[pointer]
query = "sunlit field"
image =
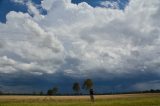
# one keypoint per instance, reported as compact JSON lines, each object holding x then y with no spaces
{"x":104,"y":100}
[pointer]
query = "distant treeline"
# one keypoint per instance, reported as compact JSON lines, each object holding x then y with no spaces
{"x":76,"y":87}
{"x":149,"y":91}
{"x":131,"y":92}
{"x":70,"y":94}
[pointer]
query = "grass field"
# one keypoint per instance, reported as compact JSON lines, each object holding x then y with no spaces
{"x":104,"y":100}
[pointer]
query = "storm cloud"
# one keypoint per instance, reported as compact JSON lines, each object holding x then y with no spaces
{"x":78,"y":40}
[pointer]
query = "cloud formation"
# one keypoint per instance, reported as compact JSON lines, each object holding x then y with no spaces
{"x":79,"y":40}
{"x":109,"y":4}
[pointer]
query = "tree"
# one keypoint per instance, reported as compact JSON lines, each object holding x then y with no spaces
{"x":41,"y":93}
{"x":88,"y":84}
{"x":34,"y":93}
{"x":55,"y":90}
{"x":1,"y":92}
{"x":76,"y":87}
{"x":50,"y":92}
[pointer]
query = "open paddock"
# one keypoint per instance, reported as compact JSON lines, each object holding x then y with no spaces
{"x":100,"y":100}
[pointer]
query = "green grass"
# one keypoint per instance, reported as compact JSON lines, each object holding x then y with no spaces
{"x":124,"y":101}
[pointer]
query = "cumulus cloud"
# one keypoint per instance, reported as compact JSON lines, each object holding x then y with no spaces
{"x":29,"y":46}
{"x":80,"y":40}
{"x":33,"y":9}
{"x":19,"y":1}
{"x":109,"y":4}
{"x":47,"y":4}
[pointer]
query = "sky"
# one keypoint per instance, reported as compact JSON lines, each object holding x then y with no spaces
{"x":46,"y":43}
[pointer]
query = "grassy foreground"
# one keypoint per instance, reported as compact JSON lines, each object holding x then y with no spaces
{"x":110,"y":100}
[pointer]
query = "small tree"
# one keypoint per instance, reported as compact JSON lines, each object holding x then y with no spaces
{"x":50,"y":92}
{"x":76,"y":87}
{"x":1,"y":92}
{"x":34,"y":93}
{"x":41,"y":93}
{"x":88,"y":84}
{"x":55,"y":90}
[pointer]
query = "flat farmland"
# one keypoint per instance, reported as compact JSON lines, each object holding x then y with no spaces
{"x":100,"y":100}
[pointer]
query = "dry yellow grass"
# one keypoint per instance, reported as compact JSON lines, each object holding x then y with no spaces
{"x":101,"y":100}
{"x":21,"y":98}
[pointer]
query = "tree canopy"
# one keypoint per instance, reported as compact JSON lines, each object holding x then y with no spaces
{"x":88,"y":84}
{"x":76,"y":87}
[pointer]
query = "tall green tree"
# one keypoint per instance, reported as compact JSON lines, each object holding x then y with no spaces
{"x":88,"y":84}
{"x":76,"y":87}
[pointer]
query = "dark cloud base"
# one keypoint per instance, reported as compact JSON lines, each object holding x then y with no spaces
{"x":23,"y":83}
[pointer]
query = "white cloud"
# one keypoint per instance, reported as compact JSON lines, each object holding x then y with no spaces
{"x":32,"y":9}
{"x":47,"y":4}
{"x":109,"y":4}
{"x":26,"y":40}
{"x":19,"y":1}
{"x":101,"y":41}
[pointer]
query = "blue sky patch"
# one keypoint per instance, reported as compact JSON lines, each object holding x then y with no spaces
{"x":7,"y":5}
